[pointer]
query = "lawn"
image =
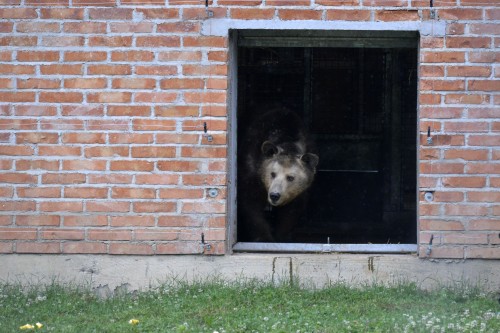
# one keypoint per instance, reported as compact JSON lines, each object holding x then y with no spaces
{"x":249,"y":307}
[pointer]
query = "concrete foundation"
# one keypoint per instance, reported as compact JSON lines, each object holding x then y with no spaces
{"x":310,"y":270}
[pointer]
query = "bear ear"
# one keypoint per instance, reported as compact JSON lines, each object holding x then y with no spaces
{"x":311,"y":160}
{"x":268,"y":149}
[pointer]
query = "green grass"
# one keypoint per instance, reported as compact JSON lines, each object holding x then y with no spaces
{"x":249,"y":307}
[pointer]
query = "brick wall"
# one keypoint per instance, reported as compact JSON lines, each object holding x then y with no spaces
{"x":102,"y":105}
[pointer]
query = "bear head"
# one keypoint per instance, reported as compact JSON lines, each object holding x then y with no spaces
{"x":285,"y":172}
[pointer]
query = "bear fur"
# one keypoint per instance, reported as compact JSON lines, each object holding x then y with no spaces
{"x":276,"y":167}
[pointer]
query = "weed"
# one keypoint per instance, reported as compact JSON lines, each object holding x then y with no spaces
{"x":250,"y":306}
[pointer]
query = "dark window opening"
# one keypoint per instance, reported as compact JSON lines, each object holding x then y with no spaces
{"x":357,"y":94}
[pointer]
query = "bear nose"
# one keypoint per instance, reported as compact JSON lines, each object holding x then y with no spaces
{"x":274,"y":196}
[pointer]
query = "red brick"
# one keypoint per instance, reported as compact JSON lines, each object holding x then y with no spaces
{"x":157,"y":179}
{"x":36,"y":137}
{"x":6,"y":192}
{"x":210,"y":97}
{"x":159,"y":13}
{"x":397,"y":15}
{"x":37,"y":27}
{"x":184,"y":56}
{"x":113,"y":41}
{"x":203,"y":208}
{"x":39,"y":192}
{"x":466,"y":210}
{"x":484,"y":57}
{"x":466,"y":99}
{"x":442,"y":57}
{"x":442,"y":85}
{"x":429,"y":99}
{"x":483,"y":197}
{"x":63,"y":234}
{"x":84,"y":248}
{"x":468,"y":42}
{"x":154,"y":207}
{"x":61,"y":97}
{"x":441,"y":167}
{"x":83,"y":110}
{"x":483,"y":252}
{"x":109,"y":235}
{"x":17,"y":69}
{"x":179,"y":193}
{"x":108,"y":151}
{"x":200,"y":13}
{"x":287,"y":2}
{"x":45,"y":247}
{"x":85,"y":83}
{"x":133,"y":221}
{"x":179,"y":27}
{"x":493,"y":112}
{"x":337,"y":2}
{"x":465,"y":238}
{"x":484,"y":140}
{"x":466,"y":154}
{"x":128,"y":249}
{"x":110,"y":14}
{"x":177,"y":166}
{"x":93,"y":165}
{"x":18,"y":124}
{"x":18,"y":41}
{"x":179,"y":221}
{"x":458,"y":14}
{"x":125,"y":138}
{"x":86,"y":221}
{"x":468,"y":71}
{"x":34,"y":83}
{"x":220,"y":56}
{"x":176,"y":110}
{"x":57,"y":150}
{"x":63,"y":178}
{"x":131,"y":165}
{"x":135,"y":83}
{"x":179,"y":248}
{"x":17,"y":233}
{"x":109,"y":70}
{"x":38,"y":220}
{"x":182,"y":84}
{"x":384,"y":3}
{"x":153,"y":125}
{"x":156,"y":70}
{"x":348,"y":15}
{"x":62,"y":13}
{"x":109,"y":179}
{"x":16,"y":150}
{"x":484,"y":85}
{"x":85,"y":27}
{"x":239,"y":2}
{"x":22,"y":165}
{"x":252,"y":13}
{"x":106,"y":125}
{"x":484,"y":28}
{"x":18,"y":13}
{"x":440,"y":225}
{"x":155,"y":97}
{"x":109,"y":97}
{"x":156,"y":235}
{"x":133,"y":193}
{"x":153,"y":152}
{"x":61,"y":69}
{"x":73,"y":56}
{"x":204,"y":70}
{"x":170,"y":138}
{"x":486,"y":224}
{"x":158,"y":41}
{"x":442,"y":252}
{"x":17,"y":97}
{"x":203,"y":180}
{"x":104,"y":206}
{"x":466,"y":127}
{"x":86,"y":192}
{"x":464,"y":182}
{"x":204,"y":152}
{"x":131,"y":27}
{"x":448,"y":196}
{"x":61,"y":206}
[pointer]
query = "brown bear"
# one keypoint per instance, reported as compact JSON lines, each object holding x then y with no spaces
{"x":276,"y":167}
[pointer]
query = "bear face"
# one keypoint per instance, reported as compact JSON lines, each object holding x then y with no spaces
{"x":285,"y":174}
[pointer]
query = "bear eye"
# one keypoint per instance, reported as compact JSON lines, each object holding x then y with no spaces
{"x":290,"y":178}
{"x":273,"y":174}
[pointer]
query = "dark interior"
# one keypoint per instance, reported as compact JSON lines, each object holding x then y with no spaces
{"x":358,"y":98}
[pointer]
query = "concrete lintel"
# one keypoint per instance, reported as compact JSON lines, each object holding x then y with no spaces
{"x":310,"y":270}
{"x":220,"y":27}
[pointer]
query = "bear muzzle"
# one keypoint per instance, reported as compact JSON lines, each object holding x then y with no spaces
{"x":274,"y":197}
